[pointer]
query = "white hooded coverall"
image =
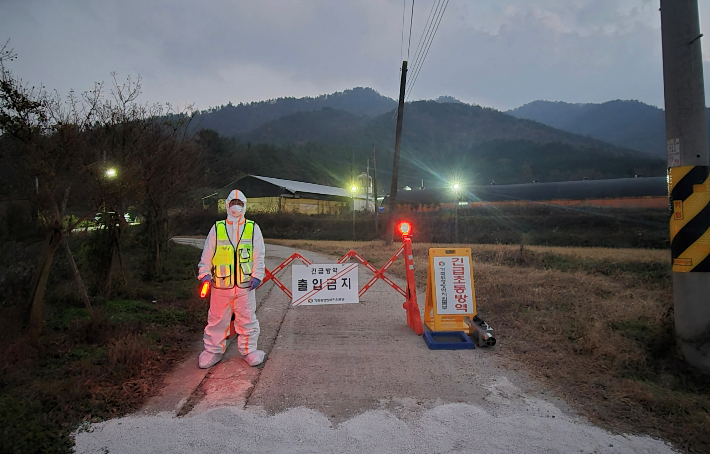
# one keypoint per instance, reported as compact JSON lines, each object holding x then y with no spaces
{"x":238,"y":301}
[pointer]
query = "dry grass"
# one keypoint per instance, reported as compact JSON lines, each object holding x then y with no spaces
{"x":131,"y":350}
{"x":621,"y":254}
{"x":594,"y":324}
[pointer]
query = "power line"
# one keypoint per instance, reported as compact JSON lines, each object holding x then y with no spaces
{"x":411,"y":19}
{"x":424,"y":38}
{"x":401,"y":44}
{"x":426,"y":31}
{"x":409,"y":44}
{"x":436,"y":14}
{"x":428,"y":46}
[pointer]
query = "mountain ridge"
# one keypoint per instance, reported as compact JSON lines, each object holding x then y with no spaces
{"x":231,"y":120}
{"x":441,"y":141}
{"x":625,"y":123}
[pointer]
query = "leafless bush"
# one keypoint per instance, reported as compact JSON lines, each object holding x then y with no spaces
{"x":130,"y":350}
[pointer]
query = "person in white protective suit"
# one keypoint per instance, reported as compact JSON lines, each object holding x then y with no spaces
{"x":233,"y":261}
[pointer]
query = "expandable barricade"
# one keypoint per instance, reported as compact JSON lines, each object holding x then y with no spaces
{"x":410,"y":305}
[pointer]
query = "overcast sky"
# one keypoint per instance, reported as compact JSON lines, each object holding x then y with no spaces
{"x":497,"y":53}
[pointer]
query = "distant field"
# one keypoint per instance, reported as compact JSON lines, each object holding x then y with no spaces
{"x":621,"y":254}
{"x":532,"y":224}
{"x":596,"y":324}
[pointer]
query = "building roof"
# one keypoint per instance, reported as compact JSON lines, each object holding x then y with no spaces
{"x":298,"y":186}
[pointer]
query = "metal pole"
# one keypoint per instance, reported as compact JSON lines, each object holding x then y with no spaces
{"x":374,"y":189}
{"x":367,"y":189}
{"x":353,"y":192}
{"x":688,"y":182}
{"x":456,"y":221}
{"x":395,"y":163}
{"x":352,"y":189}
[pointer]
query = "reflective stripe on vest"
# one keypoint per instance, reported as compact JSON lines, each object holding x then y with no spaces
{"x":245,"y":254}
{"x":223,"y":261}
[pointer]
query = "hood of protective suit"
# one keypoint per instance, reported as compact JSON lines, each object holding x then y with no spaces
{"x":235,"y":213}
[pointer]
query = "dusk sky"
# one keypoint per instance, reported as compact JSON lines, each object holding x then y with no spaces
{"x":494,"y":53}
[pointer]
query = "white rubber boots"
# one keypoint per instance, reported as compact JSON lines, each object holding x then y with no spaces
{"x":208,"y":359}
{"x":255,"y":358}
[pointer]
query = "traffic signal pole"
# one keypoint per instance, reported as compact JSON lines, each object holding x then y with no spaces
{"x":688,"y":182}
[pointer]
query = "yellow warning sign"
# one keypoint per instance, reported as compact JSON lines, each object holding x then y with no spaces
{"x":450,"y":292}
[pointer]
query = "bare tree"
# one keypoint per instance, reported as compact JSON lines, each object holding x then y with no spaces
{"x":48,"y":137}
{"x":171,"y":166}
{"x":157,"y":157}
{"x":64,"y":148}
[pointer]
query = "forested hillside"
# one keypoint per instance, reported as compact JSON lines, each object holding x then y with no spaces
{"x":629,"y":124}
{"x":440,"y":141}
{"x":230,"y":120}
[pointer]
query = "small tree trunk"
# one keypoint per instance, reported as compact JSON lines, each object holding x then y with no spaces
{"x":120,"y":264}
{"x":77,"y":276}
{"x":157,"y":244}
{"x":35,"y":316}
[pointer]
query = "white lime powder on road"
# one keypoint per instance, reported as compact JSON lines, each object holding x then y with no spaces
{"x":449,"y":428}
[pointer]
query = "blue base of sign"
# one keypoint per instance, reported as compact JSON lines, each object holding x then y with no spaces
{"x":448,"y":340}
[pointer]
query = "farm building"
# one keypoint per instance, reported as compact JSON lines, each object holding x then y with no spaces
{"x":651,"y":192}
{"x":274,"y":195}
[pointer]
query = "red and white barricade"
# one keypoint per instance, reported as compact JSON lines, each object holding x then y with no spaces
{"x":414,"y":319}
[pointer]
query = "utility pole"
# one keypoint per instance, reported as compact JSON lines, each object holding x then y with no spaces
{"x":456,"y":215}
{"x":688,"y":182}
{"x":352,"y":189}
{"x":367,"y":183}
{"x":395,"y":164}
{"x":374,"y":189}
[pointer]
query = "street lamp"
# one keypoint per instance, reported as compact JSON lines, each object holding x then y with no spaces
{"x":456,"y":187}
{"x":111,"y":173}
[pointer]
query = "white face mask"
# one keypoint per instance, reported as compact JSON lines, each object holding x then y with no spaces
{"x":236,"y":210}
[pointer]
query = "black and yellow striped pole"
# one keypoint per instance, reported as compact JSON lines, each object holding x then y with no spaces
{"x":688,"y":178}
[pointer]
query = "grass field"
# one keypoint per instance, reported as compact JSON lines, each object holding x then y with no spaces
{"x":594,"y":324}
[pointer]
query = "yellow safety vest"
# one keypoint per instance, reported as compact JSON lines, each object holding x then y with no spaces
{"x":226,"y":255}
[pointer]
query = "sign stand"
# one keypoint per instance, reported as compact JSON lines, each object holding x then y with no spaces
{"x":451,"y":297}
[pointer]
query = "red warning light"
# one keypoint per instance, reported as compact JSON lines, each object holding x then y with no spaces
{"x":405,"y":228}
{"x":205,"y":289}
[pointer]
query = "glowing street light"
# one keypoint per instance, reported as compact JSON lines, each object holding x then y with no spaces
{"x":456,"y":187}
{"x":111,"y":173}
